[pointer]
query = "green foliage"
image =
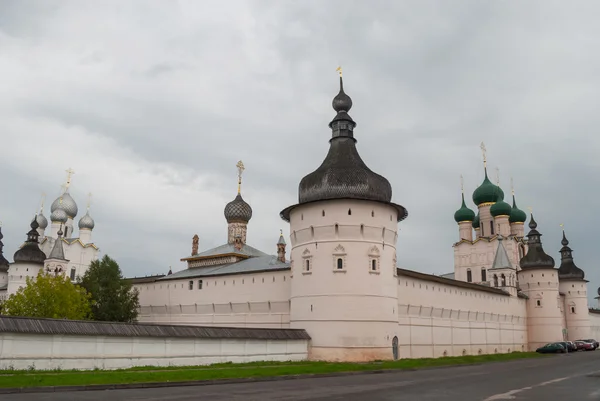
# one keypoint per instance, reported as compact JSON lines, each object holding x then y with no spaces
{"x":49,"y":296}
{"x":113,"y":298}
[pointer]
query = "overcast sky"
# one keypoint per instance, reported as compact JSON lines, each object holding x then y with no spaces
{"x":152,"y":103}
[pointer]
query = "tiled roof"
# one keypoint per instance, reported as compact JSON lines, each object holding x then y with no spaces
{"x":451,"y":282}
{"x":24,"y":325}
{"x":257,"y":264}
{"x":147,"y":279}
{"x":227,"y":249}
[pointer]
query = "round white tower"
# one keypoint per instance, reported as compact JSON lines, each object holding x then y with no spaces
{"x":344,"y":290}
{"x":538,"y":279}
{"x":574,"y":287}
{"x":28,"y":261}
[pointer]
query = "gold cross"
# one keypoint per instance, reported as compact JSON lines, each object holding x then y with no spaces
{"x":339,"y":70}
{"x":241,"y":168}
{"x":462,"y":184}
{"x":42,"y":203}
{"x":530,"y":209}
{"x":512,"y":186}
{"x":483,"y":151}
{"x":89,"y":202}
{"x":70,"y":172}
{"x":497,"y":176}
{"x":562,"y":226}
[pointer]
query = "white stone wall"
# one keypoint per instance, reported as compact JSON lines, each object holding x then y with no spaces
{"x":594,"y":326}
{"x":23,"y":351}
{"x":241,"y":300}
{"x":442,"y":320}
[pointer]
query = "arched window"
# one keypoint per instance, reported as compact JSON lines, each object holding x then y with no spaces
{"x":349,"y":212}
{"x":340,"y":263}
{"x":483,"y":274}
{"x":572,"y":309}
{"x":469,"y":276}
{"x":503,"y":279}
{"x":495,"y":280}
{"x":307,"y":265}
{"x":538,"y":302}
{"x":372,"y":213}
{"x":323,"y":213}
{"x":492,"y":227}
{"x":374,"y":265}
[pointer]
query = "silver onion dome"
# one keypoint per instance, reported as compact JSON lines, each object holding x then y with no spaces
{"x":59,"y":215}
{"x":238,"y":210}
{"x":42,"y":220}
{"x":86,"y":222}
{"x":68,"y":204}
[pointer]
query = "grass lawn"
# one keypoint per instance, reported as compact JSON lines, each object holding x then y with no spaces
{"x":146,"y":374}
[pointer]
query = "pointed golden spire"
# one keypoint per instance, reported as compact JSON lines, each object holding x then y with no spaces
{"x":70,"y":172}
{"x":339,"y":70}
{"x":483,"y":152}
{"x":241,"y":168}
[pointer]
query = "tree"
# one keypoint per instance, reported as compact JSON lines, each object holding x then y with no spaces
{"x":49,"y":296}
{"x":113,"y":298}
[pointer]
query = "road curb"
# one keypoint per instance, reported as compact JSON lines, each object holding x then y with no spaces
{"x":190,"y":383}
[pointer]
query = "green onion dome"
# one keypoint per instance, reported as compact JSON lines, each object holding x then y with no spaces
{"x":516,"y":214}
{"x":500,"y":208}
{"x":464,"y":213}
{"x":487,"y":192}
{"x":476,"y":222}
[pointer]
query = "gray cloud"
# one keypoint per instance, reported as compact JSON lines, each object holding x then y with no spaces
{"x":153,"y":104}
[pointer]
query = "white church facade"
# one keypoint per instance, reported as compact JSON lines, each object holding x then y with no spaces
{"x":342,"y":285}
{"x":55,"y":249}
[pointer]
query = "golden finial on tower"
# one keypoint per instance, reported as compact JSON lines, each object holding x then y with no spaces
{"x":562,"y":226}
{"x":512,"y":186}
{"x":497,"y":176}
{"x":70,"y":172}
{"x":482,"y":146}
{"x":241,"y":168}
{"x":42,"y":202}
{"x":530,"y":209}
{"x":89,"y":202}
{"x":339,"y":70}
{"x":462,"y":184}
{"x":281,"y":232}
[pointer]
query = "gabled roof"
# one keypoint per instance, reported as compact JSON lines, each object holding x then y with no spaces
{"x":258,"y":264}
{"x":227,"y":249}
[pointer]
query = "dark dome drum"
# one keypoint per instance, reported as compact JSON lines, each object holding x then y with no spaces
{"x":238,"y":210}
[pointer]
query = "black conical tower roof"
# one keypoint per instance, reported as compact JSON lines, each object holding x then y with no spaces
{"x":535,"y":258}
{"x":343,"y":174}
{"x":568,"y":269}
{"x":30,"y":252}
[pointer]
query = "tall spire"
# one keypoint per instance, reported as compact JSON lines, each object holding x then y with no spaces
{"x":535,"y":258}
{"x":568,"y":269}
{"x":58,"y":251}
{"x":342,"y":124}
{"x":501,"y":260}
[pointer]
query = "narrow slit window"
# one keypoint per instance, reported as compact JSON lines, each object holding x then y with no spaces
{"x":340,"y":263}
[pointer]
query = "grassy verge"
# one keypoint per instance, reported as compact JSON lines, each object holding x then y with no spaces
{"x":146,"y":374}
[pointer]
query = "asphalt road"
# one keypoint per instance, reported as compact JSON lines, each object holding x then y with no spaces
{"x":571,"y":377}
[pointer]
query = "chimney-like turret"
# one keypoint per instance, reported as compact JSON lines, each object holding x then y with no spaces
{"x":281,"y":248}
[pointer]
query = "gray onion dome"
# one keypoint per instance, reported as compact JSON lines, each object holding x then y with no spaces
{"x":86,"y":222}
{"x":238,"y":210}
{"x":68,"y":204}
{"x":59,"y":216}
{"x":41,"y":220}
